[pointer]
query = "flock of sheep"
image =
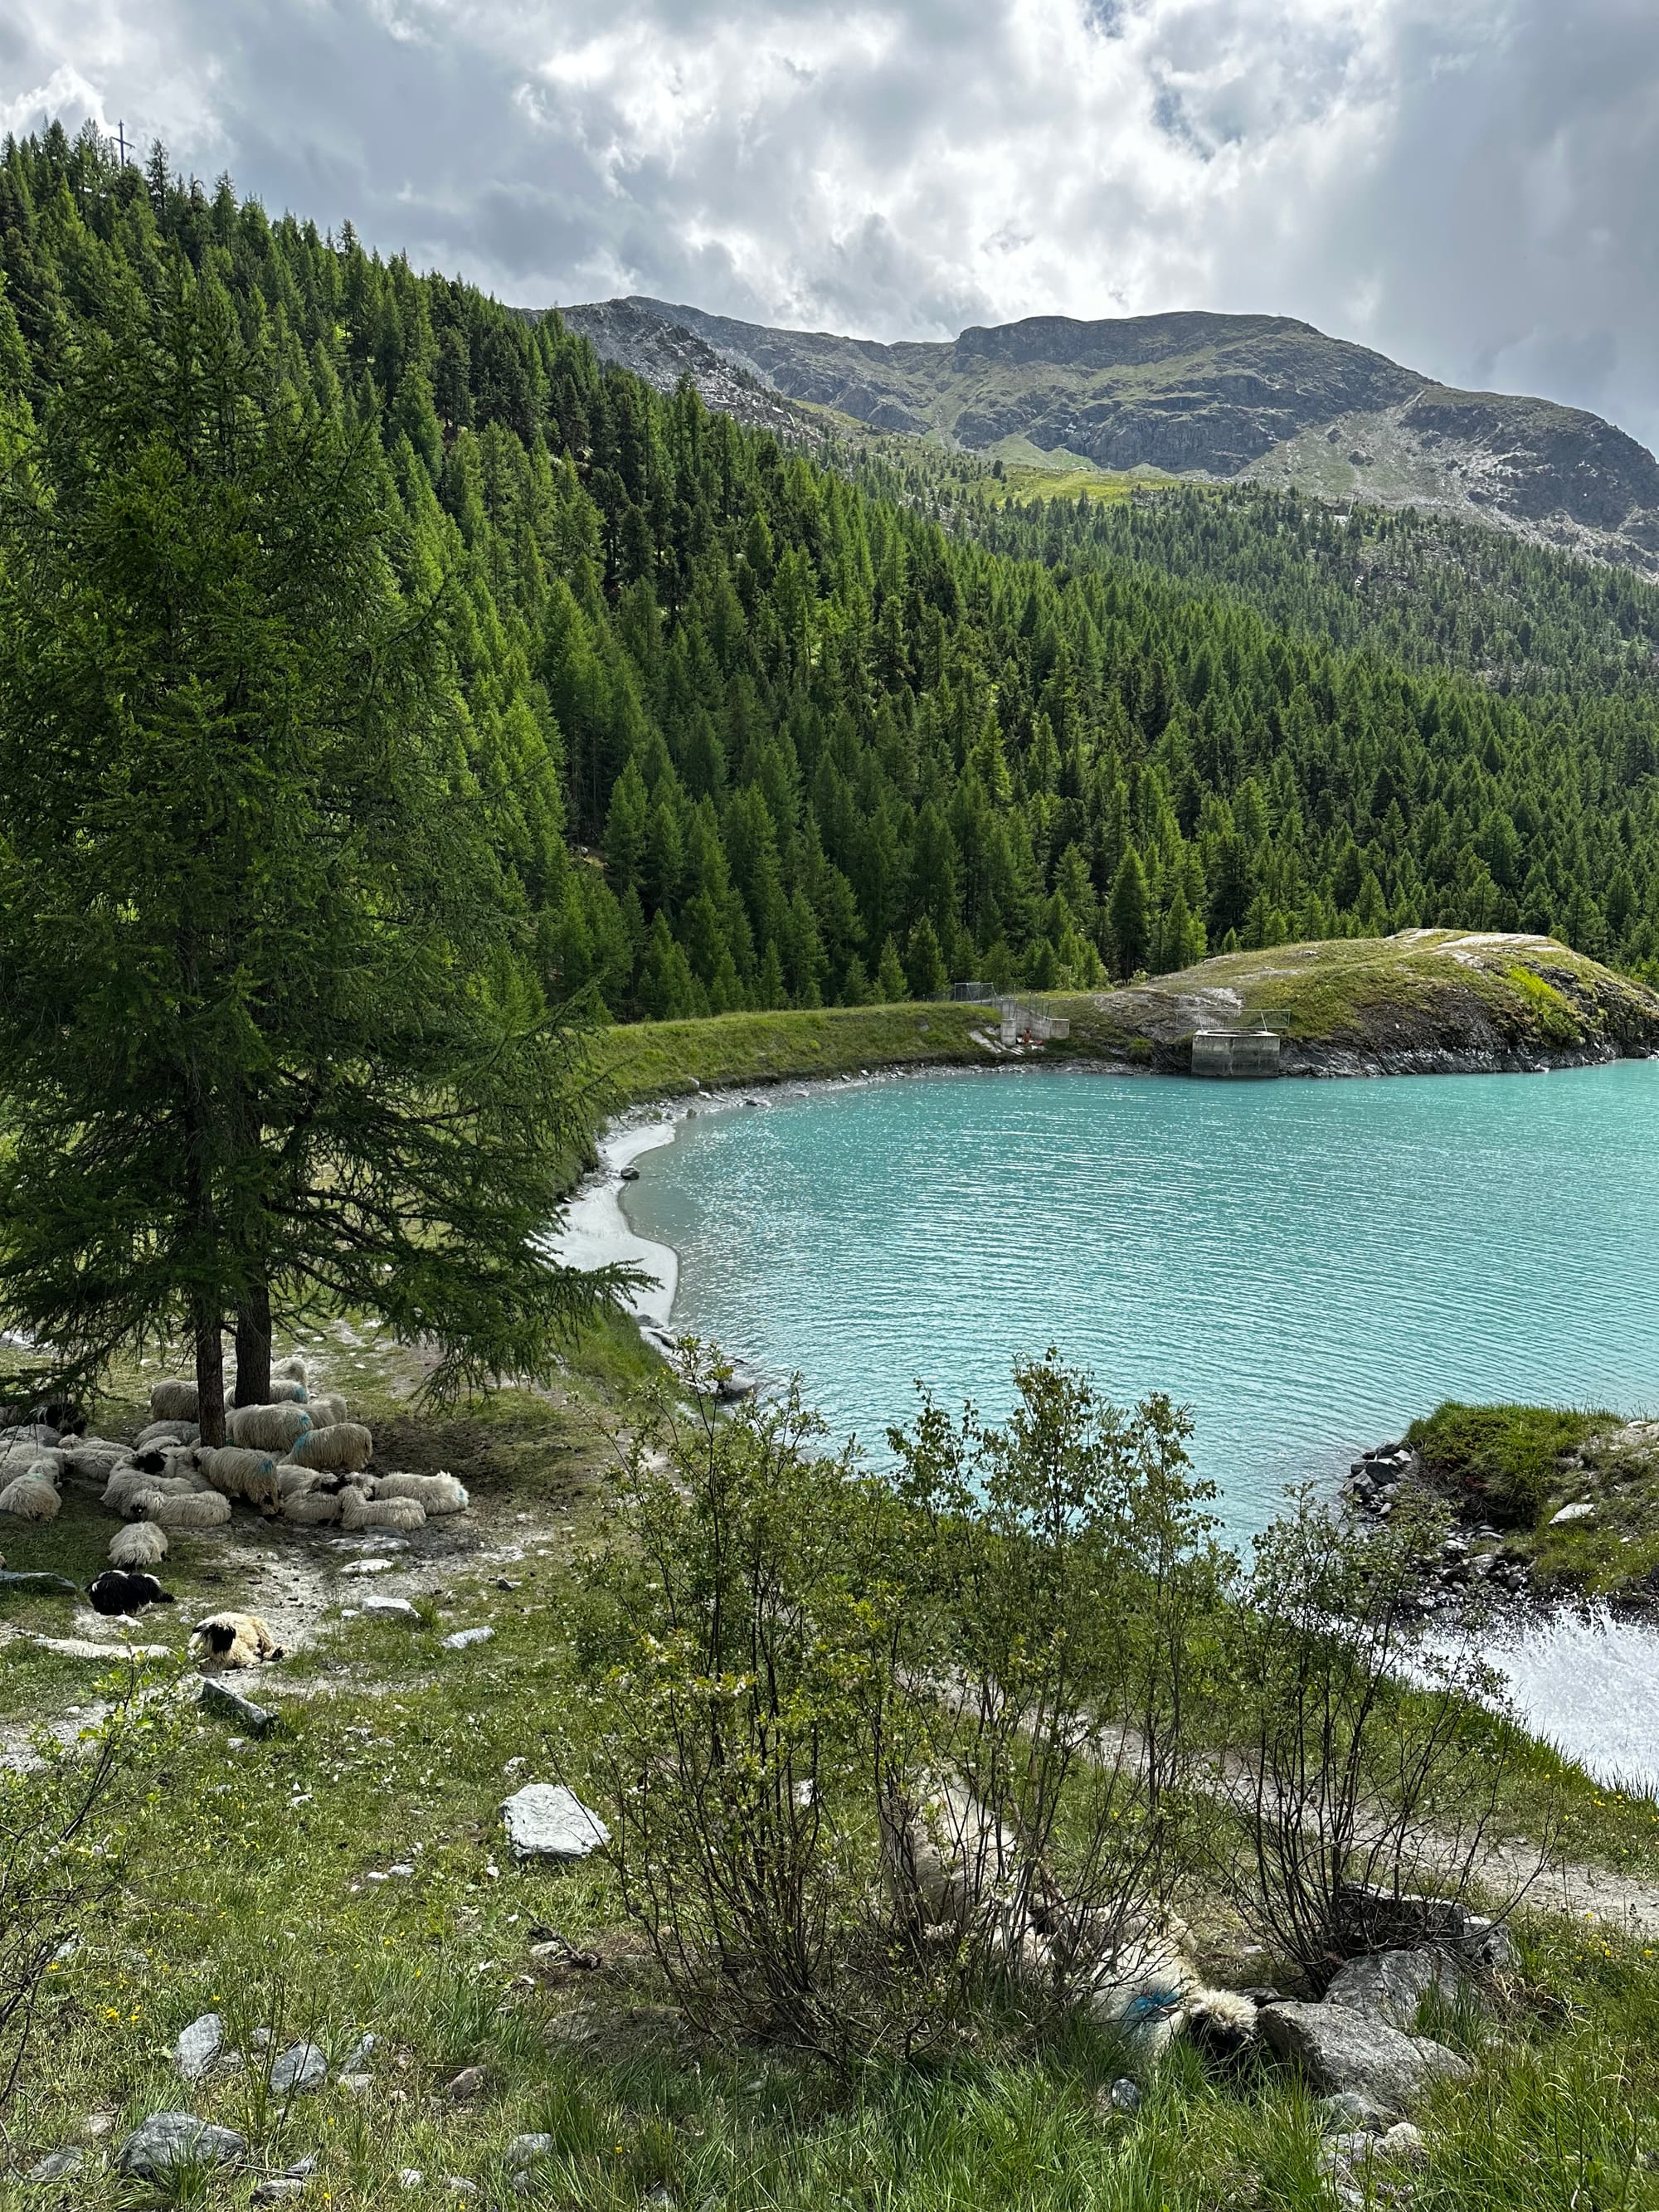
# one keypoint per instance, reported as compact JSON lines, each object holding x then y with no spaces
{"x":298,"y":1459}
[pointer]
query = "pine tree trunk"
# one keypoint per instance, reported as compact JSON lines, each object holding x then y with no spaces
{"x":210,"y":1376}
{"x":253,"y":1348}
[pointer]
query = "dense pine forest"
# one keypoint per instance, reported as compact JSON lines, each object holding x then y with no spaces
{"x":748,"y":733}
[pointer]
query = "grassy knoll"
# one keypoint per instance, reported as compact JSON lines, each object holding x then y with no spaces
{"x":1515,"y":1468}
{"x":258,"y":1883}
{"x":1425,"y":999}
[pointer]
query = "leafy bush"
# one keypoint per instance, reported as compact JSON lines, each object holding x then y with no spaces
{"x":1501,"y":1458}
{"x":875,"y":1747}
{"x":1358,"y":1758}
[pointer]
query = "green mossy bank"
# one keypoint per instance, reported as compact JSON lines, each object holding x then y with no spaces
{"x":1423,"y":1002}
{"x":1573,"y":1492}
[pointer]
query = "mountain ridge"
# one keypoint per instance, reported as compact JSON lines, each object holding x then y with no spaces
{"x":1209,"y":397}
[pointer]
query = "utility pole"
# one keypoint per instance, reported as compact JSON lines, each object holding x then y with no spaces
{"x":121,"y":140}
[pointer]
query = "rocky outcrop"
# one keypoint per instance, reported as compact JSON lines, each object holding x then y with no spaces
{"x":1210,"y":396}
{"x":1345,"y":2052}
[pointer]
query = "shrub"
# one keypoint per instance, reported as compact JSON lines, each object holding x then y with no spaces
{"x":1358,"y":1759}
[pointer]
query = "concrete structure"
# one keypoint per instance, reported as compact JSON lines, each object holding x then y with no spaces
{"x":1251,"y":1053}
{"x":1021,"y":1023}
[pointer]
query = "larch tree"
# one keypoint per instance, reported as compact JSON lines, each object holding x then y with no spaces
{"x":267,"y":1043}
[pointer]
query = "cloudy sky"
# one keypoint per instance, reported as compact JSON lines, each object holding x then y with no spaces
{"x":1468,"y":184}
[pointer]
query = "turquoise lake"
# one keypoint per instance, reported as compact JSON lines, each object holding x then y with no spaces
{"x":1307,"y":1265}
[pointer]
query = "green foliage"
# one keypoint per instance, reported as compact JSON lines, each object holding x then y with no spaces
{"x":1500,"y":1461}
{"x":796,"y":718}
{"x":267,"y":1036}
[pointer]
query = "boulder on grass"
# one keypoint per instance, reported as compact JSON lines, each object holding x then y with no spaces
{"x":167,"y":2140}
{"x":1339,"y":2049}
{"x":545,"y":1820}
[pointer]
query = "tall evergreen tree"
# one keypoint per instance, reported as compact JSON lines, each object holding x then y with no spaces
{"x":265,"y":1036}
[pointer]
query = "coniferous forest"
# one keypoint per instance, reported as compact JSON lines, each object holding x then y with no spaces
{"x":750,"y":732}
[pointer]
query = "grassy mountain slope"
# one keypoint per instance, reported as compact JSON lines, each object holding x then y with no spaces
{"x":1260,"y":396}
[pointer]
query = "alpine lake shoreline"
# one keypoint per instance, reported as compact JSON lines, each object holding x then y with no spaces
{"x":341,"y":1872}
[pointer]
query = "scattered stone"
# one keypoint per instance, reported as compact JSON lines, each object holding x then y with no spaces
{"x":360,"y":2053}
{"x":1348,"y":2110}
{"x":545,"y":1820}
{"x":410,"y":2177}
{"x":217,"y":1696}
{"x":279,"y":2187}
{"x":198,"y":2046}
{"x":388,"y":1609}
{"x":1126,"y":2095}
{"x":166,"y":2140}
{"x":367,"y":1566}
{"x":302,"y":2169}
{"x":302,"y":2067}
{"x":464,"y":1636}
{"x":1404,"y":2144}
{"x":524,"y":2150}
{"x":1339,"y":2049}
{"x":1379,"y":1921}
{"x":467,"y":2083}
{"x":402,"y":1871}
{"x":1582,"y":1509}
{"x":57,"y":2165}
{"x":459,"y":2185}
{"x":1390,"y":1985}
{"x":356,"y":2085}
{"x":19,"y":1579}
{"x":97,"y":2126}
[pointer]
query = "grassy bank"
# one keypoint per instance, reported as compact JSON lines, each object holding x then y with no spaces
{"x":1426,"y":999}
{"x":1519,"y":1469}
{"x":348,"y":1873}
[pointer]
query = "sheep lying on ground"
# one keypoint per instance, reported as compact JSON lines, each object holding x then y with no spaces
{"x":1224,"y":2026}
{"x":18,"y":1458}
{"x":194,"y":1508}
{"x":238,"y":1472}
{"x":173,"y":1401}
{"x":437,"y":1493}
{"x":93,"y":1458}
{"x":237,"y":1639}
{"x":312,"y":1509}
{"x":139,"y":1544}
{"x":357,"y":1511}
{"x":123,"y":1593}
{"x":288,"y":1390}
{"x":166,"y":1478}
{"x":32,"y":1496}
{"x":343,"y":1448}
{"x":168,"y":1432}
{"x":943,"y":1855}
{"x":268,"y":1428}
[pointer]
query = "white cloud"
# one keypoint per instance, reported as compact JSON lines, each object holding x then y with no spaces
{"x":1465,"y":183}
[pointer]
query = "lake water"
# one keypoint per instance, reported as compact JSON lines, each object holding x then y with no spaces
{"x":1307,"y":1265}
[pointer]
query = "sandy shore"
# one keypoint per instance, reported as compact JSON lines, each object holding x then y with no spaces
{"x":597,"y":1232}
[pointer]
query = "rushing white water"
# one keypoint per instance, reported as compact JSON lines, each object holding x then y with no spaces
{"x":1589,"y":1684}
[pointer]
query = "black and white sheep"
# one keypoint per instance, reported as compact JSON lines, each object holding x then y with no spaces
{"x":237,"y":1639}
{"x":114,"y":1592}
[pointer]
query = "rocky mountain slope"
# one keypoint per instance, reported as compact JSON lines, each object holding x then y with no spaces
{"x":1256,"y":397}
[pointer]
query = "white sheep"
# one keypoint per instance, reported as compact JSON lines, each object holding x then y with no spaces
{"x":31,"y":1497}
{"x":176,"y":1400}
{"x":437,"y":1493}
{"x":268,"y":1428}
{"x":288,"y":1390}
{"x":237,"y":1472}
{"x":945,"y":1856}
{"x":327,"y":1409}
{"x":293,"y":1368}
{"x":139,"y":1544}
{"x":92,"y":1458}
{"x":343,"y":1448}
{"x":294,"y":1482}
{"x":167,"y":1432}
{"x":237,"y":1639}
{"x":195,"y":1509}
{"x":357,"y":1511}
{"x":37,"y":1435}
{"x":18,"y":1458}
{"x":312,"y":1509}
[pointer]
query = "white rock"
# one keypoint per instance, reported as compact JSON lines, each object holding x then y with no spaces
{"x":170,"y":2139}
{"x":1581,"y":1510}
{"x":367,"y":1566}
{"x":410,"y":2177}
{"x":524,"y":2150}
{"x":199,"y":2045}
{"x":464,"y":1637}
{"x":545,"y":1820}
{"x":388,"y":1609}
{"x":360,"y":2054}
{"x":57,"y":2165}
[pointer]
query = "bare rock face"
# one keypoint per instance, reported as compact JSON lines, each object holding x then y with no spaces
{"x":1390,"y":1985}
{"x":1341,"y":2052}
{"x":167,"y":2140}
